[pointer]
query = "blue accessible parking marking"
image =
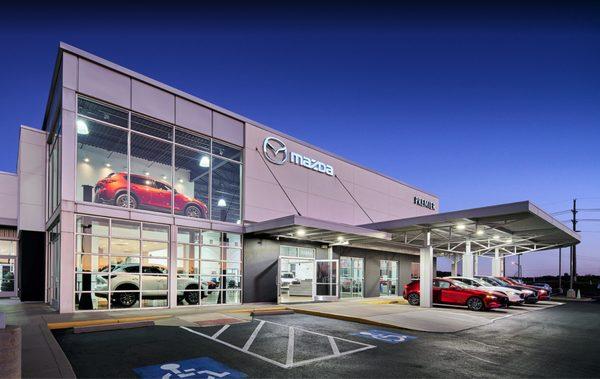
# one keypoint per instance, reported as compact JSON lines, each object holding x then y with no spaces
{"x":382,"y":335}
{"x":191,"y":368}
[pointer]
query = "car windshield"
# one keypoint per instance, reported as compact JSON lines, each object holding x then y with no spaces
{"x":460,"y":284}
{"x":502,"y":282}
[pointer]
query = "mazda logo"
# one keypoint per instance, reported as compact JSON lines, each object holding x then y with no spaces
{"x":275,"y":150}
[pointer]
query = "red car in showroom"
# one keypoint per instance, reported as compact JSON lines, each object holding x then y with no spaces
{"x":447,"y":291}
{"x":147,"y":193}
{"x":542,"y":293}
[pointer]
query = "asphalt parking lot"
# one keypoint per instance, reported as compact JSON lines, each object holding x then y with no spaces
{"x":561,"y":341}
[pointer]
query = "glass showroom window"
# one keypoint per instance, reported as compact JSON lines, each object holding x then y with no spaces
{"x":192,"y":174}
{"x":53,"y":175}
{"x":120,"y":264}
{"x":151,"y":161}
{"x":8,"y":253}
{"x":209,"y":267}
{"x":105,"y":134}
{"x":101,"y":153}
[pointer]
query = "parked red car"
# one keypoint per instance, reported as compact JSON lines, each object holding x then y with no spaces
{"x":542,"y":293}
{"x":147,"y":193}
{"x":447,"y":291}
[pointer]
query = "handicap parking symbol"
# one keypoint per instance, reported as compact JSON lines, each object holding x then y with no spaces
{"x":191,"y":368}
{"x":382,"y":335}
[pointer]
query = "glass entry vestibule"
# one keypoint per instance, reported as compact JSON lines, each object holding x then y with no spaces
{"x":352,"y":275}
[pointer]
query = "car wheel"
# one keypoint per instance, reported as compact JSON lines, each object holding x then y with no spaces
{"x":126,"y":299}
{"x":191,"y":297}
{"x":126,"y":201}
{"x":193,"y":211}
{"x":413,"y":299}
{"x":475,"y":304}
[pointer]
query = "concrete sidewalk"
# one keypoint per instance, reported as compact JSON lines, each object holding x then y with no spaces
{"x":42,"y":356}
{"x":439,"y":319}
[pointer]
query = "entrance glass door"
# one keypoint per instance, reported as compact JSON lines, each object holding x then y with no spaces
{"x":388,"y":278}
{"x":351,"y":277}
{"x":295,"y":280}
{"x":8,"y":268}
{"x":8,"y":278}
{"x":326,"y":280}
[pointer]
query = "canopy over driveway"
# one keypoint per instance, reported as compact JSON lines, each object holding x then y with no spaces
{"x":497,"y":231}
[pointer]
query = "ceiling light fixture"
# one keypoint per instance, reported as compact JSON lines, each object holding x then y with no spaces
{"x":301,"y":232}
{"x":460,"y":226}
{"x":82,"y":127}
{"x":107,"y":165}
{"x":86,"y":160}
{"x":496,"y":237}
{"x":479,"y":232}
{"x":221,"y":203}
{"x":204,"y":161}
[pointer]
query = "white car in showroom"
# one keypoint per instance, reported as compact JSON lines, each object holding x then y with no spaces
{"x":126,"y":277}
{"x":515,"y":296}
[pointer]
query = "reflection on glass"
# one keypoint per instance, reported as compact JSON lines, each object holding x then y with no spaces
{"x":91,"y":301}
{"x":155,"y":232}
{"x":120,"y":246}
{"x":92,"y":225}
{"x":92,"y":244}
{"x":91,"y":263}
{"x":226,"y":184}
{"x":101,"y":162}
{"x":191,"y":182}
{"x":125,"y":229}
{"x":188,"y":251}
{"x":155,"y":249}
{"x":211,"y":252}
{"x":210,"y":237}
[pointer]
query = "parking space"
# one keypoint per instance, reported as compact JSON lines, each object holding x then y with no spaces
{"x":300,"y":345}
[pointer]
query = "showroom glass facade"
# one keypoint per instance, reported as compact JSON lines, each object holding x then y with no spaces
{"x":128,"y":160}
{"x":120,"y":264}
{"x":209,"y":267}
{"x":8,"y":261}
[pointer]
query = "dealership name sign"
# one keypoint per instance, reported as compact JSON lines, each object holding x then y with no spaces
{"x":276,"y":152}
{"x":424,"y":203}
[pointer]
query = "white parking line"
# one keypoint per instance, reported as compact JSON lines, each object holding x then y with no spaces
{"x":334,"y":347}
{"x":290,"y":350}
{"x":224,"y":328}
{"x":291,"y":344}
{"x":253,"y":336}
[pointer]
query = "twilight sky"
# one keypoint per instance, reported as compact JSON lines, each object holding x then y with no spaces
{"x":478,"y":105}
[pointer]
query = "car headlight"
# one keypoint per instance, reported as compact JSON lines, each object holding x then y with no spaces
{"x":491,"y":297}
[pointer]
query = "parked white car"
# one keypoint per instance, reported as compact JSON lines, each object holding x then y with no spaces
{"x":514,"y":296}
{"x":125,"y":277}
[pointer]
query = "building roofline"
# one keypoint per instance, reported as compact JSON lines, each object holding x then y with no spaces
{"x":115,"y":67}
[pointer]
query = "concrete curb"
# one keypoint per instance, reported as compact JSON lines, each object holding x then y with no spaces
{"x":349,"y":318}
{"x":107,"y":321}
{"x":62,"y":362}
{"x":115,"y":326}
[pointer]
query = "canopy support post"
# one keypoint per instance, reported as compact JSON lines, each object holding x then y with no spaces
{"x":426,"y":273}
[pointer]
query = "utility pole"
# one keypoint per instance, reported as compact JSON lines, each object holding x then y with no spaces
{"x":574,"y":220}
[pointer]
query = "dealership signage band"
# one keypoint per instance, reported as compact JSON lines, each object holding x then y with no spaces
{"x":276,"y":152}
{"x":424,"y":203}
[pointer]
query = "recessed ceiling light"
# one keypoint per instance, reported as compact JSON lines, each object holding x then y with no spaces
{"x":221,"y":203}
{"x":180,"y":180}
{"x":86,"y":160}
{"x":147,"y":173}
{"x":509,"y":240}
{"x":460,"y":226}
{"x":301,"y":232}
{"x":496,"y":237}
{"x":107,"y":165}
{"x":340,"y":238}
{"x":479,"y":232}
{"x":164,"y":177}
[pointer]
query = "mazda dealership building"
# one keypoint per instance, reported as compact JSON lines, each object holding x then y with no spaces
{"x":134,"y":195}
